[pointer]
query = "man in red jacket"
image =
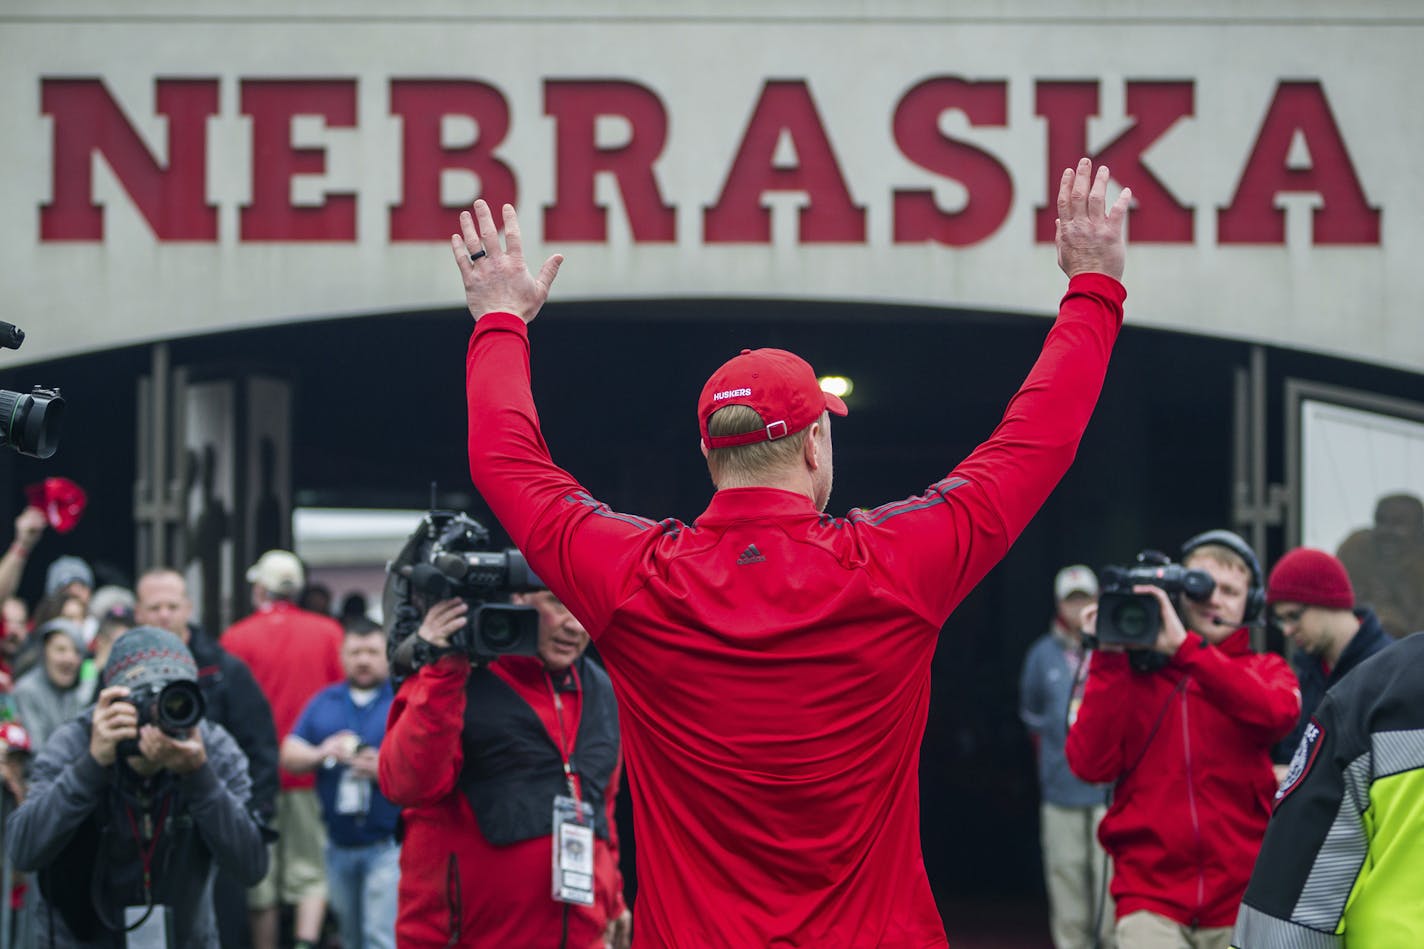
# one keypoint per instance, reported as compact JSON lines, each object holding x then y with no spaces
{"x":1188,"y":746}
{"x":480,"y":756}
{"x":293,"y":655}
{"x":772,"y":662}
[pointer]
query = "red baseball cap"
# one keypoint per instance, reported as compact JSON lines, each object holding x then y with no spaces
{"x":14,"y":737}
{"x":779,"y":386}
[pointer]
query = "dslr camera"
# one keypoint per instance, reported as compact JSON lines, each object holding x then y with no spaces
{"x":450,"y":554}
{"x":175,"y":708}
{"x":1134,"y":619}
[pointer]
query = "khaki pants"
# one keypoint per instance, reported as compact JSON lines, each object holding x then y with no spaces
{"x":1144,"y":930}
{"x":298,"y":865}
{"x":1075,"y":871}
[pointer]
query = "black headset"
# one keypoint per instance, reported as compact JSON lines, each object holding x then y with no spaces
{"x":1256,"y":595}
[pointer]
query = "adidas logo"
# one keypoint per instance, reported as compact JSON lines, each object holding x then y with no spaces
{"x":750,"y":555}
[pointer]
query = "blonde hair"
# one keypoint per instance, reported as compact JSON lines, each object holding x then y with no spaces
{"x":1221,"y":554}
{"x":742,"y":463}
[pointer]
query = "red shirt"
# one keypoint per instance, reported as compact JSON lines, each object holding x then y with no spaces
{"x":451,"y":876}
{"x":1189,"y":746}
{"x":293,"y":655}
{"x":772,"y":664}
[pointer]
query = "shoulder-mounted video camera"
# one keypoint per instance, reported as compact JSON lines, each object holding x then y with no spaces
{"x":450,"y":554}
{"x":29,"y":421}
{"x":1134,"y":619}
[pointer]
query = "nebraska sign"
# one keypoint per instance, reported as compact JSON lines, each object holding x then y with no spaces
{"x":196,"y":167}
{"x":173,"y":198}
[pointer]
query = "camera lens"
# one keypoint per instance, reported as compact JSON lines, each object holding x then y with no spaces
{"x":29,"y":421}
{"x":180,"y":706}
{"x":499,"y":630}
{"x":1132,"y":620}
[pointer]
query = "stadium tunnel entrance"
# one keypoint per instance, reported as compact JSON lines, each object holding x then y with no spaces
{"x":375,"y":410}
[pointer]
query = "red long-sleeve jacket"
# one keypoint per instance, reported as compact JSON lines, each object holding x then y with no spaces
{"x":453,"y":881}
{"x":1189,"y":746}
{"x":772,"y":663}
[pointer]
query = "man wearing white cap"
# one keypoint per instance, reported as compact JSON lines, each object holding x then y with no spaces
{"x":293,"y":655}
{"x":1050,"y":690}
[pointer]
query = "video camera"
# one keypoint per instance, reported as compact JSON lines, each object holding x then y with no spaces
{"x":175,"y":708}
{"x":450,"y":554}
{"x":1134,"y":619}
{"x":29,"y":421}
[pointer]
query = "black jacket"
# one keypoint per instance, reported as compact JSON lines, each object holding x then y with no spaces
{"x":237,"y":704}
{"x":1344,"y":854}
{"x":1370,"y":639}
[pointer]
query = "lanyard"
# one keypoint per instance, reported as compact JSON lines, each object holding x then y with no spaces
{"x":566,"y":747}
{"x":146,"y":854}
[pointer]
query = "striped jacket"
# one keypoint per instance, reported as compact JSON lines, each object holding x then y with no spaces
{"x":1343,"y":858}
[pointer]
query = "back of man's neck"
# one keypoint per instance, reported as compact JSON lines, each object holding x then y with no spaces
{"x":794,"y":482}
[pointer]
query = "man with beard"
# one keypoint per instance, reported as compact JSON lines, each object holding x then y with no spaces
{"x":338,"y":735}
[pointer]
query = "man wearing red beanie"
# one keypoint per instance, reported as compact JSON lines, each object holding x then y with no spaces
{"x":1310,"y":598}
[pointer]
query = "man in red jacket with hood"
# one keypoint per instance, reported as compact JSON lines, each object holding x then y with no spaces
{"x":1188,"y":747}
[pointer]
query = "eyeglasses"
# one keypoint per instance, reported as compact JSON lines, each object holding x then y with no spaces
{"x":1289,"y":617}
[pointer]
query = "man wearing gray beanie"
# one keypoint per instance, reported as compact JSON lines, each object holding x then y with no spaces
{"x":126,"y":821}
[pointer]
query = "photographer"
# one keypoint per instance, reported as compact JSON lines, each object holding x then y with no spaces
{"x":482,"y":757}
{"x":125,"y":820}
{"x":1184,"y":730}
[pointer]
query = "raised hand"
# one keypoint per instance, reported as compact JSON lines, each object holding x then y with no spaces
{"x":1089,"y":234}
{"x":497,"y":280}
{"x":29,"y":526}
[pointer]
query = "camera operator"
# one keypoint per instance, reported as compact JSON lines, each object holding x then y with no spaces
{"x":486,"y":758}
{"x":1185,"y":730}
{"x":128,"y":814}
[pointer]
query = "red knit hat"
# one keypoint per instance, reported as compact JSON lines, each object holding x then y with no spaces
{"x":1311,"y":577}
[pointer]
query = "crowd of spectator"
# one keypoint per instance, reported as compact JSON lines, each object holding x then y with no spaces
{"x":59,"y":690}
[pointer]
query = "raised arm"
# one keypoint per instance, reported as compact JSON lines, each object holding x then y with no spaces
{"x":29,"y":526}
{"x":577,"y":545}
{"x":945,"y":541}
{"x":422,"y":755}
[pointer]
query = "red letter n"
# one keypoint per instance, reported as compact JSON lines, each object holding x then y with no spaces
{"x":988,"y":183}
{"x":576,"y":106}
{"x":1345,"y":216}
{"x":273,"y":104}
{"x":88,"y":120}
{"x":829,"y":217}
{"x":1157,"y":216}
{"x":422,"y":104}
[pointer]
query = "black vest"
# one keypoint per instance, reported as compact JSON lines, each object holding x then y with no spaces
{"x":513,"y":770}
